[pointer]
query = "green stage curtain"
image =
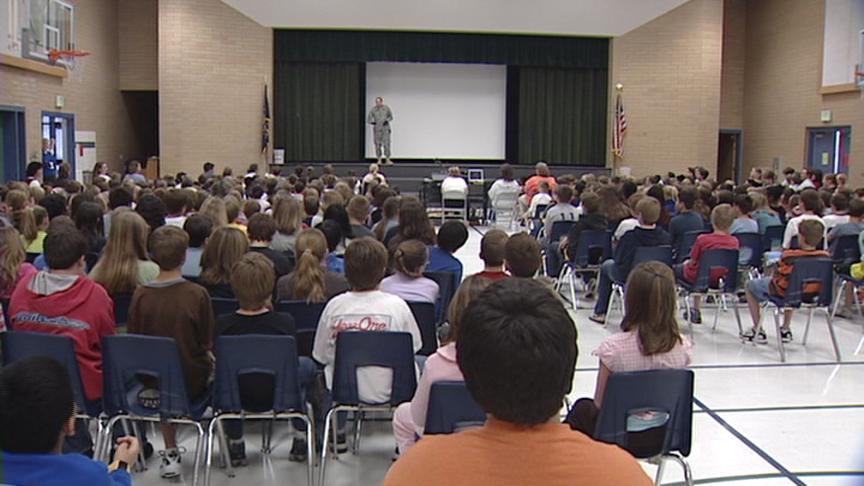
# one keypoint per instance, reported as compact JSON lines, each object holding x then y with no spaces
{"x":318,"y":112}
{"x":562,"y":115}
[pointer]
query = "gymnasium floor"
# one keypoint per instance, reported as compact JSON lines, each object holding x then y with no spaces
{"x":756,"y":421}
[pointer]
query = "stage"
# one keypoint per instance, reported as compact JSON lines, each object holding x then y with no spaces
{"x":409,"y":175}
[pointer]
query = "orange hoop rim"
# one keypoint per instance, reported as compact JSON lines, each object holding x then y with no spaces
{"x":55,"y":54}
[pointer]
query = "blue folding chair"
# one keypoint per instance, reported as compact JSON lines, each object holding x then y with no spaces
{"x":666,"y":392}
{"x":685,"y":245}
{"x":354,"y":350}
{"x":306,"y":316}
{"x":122,"y":302}
{"x":661,"y":253}
{"x":559,"y":230}
{"x":125,"y":358}
{"x":772,"y":240}
{"x":753,"y":243}
{"x":845,"y":250}
{"x":710,"y":263}
{"x":222,"y":306}
{"x":238,"y":356}
{"x":593,"y":248}
{"x":19,"y":345}
{"x":537,"y":219}
{"x":424,"y":314}
{"x":451,"y":409}
{"x":447,"y":286}
{"x":807,"y":271}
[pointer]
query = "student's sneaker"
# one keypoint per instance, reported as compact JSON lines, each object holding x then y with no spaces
{"x":786,"y":335}
{"x":695,"y":316}
{"x":298,"y":450}
{"x":170,"y":468}
{"x":237,"y":452}
{"x":754,"y":336}
{"x":598,"y":318}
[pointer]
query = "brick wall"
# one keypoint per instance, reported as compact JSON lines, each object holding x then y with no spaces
{"x":783,"y":73}
{"x":94,"y":98}
{"x":213,"y":64}
{"x":670,"y":69}
{"x":137,"y":25}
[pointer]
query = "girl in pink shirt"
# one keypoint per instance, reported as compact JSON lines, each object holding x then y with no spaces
{"x":410,"y":417}
{"x":650,"y":340}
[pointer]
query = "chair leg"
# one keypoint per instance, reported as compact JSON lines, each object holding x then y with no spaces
{"x":310,"y":450}
{"x":661,"y":464}
{"x":780,"y":347}
{"x":199,"y":443}
{"x":737,"y":314}
{"x":807,"y":327}
{"x":609,"y":305}
{"x":223,"y":449}
{"x":328,"y":424}
{"x":142,"y":461}
{"x":830,"y":323}
{"x":688,"y":474}
{"x":208,"y":451}
{"x":358,"y":424}
{"x":841,"y":290}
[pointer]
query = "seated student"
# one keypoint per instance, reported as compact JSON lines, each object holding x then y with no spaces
{"x":687,"y":218}
{"x":454,"y":182}
{"x":855,"y":224}
{"x":591,"y":219}
{"x":37,"y":413}
{"x":810,"y":232}
{"x":124,"y":264}
{"x":288,"y":216}
{"x":310,"y":280}
{"x":198,"y":227}
{"x":744,"y":222}
{"x":40,"y":218}
{"x":618,"y":267}
{"x":364,"y":308}
{"x":408,"y":281}
{"x":650,"y":339}
{"x":542,"y":198}
{"x":224,"y":248}
{"x":562,"y":210}
{"x":812,"y":208}
{"x":763,"y":214}
{"x":452,"y":235}
{"x":522,"y":256}
{"x":63,"y":301}
{"x":260,"y":230}
{"x":253,"y":279}
{"x":311,"y":205}
{"x":492,"y":247}
{"x":839,"y":211}
{"x":335,"y":250}
{"x":358,"y":214}
{"x":171,"y":306}
{"x":13,"y":267}
{"x":721,"y":218}
{"x":409,"y":419}
{"x":517,"y":351}
{"x":177,"y":203}
{"x":389,"y":218}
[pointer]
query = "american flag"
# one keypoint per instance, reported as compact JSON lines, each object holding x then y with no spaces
{"x":620,"y":128}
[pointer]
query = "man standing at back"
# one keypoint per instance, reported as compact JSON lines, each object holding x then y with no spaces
{"x":380,"y":117}
{"x":518,"y":357}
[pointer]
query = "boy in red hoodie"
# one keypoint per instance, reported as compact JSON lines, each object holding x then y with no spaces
{"x":63,"y":301}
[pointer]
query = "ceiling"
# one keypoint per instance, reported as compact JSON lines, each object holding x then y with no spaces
{"x":607,"y":18}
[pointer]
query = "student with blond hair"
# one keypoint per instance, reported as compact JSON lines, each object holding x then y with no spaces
{"x":288,"y":215}
{"x":124,"y":264}
{"x":310,"y":280}
{"x":13,"y":267}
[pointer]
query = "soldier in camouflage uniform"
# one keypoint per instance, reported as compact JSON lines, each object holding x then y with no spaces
{"x":380,"y":117}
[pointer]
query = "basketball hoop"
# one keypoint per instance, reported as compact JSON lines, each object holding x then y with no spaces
{"x":70,"y":59}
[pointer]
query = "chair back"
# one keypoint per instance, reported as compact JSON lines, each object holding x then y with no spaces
{"x":122,"y":302}
{"x":717,"y":262}
{"x":559,"y":230}
{"x":238,"y":356}
{"x":18,"y":345}
{"x":807,"y":273}
{"x":594,"y":247}
{"x":753,"y":242}
{"x":355,"y":349}
{"x":666,"y":390}
{"x":506,"y":200}
{"x":685,"y":245}
{"x":540,"y":211}
{"x":662,"y":253}
{"x":306,"y":316}
{"x":451,"y":407}
{"x":772,"y":240}
{"x":424,"y":314}
{"x":447,"y":286}
{"x":127,"y":357}
{"x":222,"y":306}
{"x":845,"y":250}
{"x":454,"y":196}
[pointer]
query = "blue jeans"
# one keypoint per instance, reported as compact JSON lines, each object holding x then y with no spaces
{"x":608,"y":273}
{"x":554,"y":259}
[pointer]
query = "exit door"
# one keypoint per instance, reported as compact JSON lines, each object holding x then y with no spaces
{"x":828,"y":149}
{"x":58,"y":139}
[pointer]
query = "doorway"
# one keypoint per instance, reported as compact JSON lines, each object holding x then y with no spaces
{"x":730,"y":152}
{"x":13,"y":145}
{"x":59,"y":130}
{"x":828,"y":149}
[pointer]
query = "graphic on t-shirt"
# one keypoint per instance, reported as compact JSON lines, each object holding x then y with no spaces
{"x":60,"y":321}
{"x":360,"y":322}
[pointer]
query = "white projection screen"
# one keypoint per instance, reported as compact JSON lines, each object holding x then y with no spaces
{"x":440,"y":111}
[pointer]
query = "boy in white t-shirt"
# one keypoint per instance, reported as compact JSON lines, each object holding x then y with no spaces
{"x":364,"y":308}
